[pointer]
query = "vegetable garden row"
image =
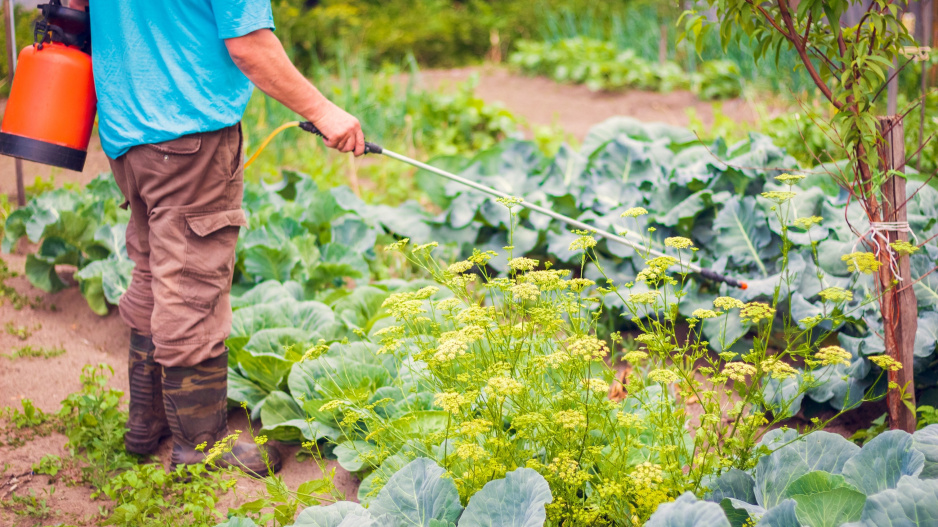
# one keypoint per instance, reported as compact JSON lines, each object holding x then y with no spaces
{"x":490,"y":360}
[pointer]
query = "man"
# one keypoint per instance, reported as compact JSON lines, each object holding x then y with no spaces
{"x":173,"y":79}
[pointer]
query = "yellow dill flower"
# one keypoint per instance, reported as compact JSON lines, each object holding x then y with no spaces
{"x":510,"y":201}
{"x":449,"y":401}
{"x":570,"y":419}
{"x":579,"y":284}
{"x":726,"y":303}
{"x":398,"y":246}
{"x":481,"y":258}
{"x":903,"y":247}
{"x":836,"y":294}
{"x":583,"y":243}
{"x":648,"y":297}
{"x":808,"y":222}
{"x":678,"y":242}
{"x":503,"y":386}
{"x":470,"y":451}
{"x":596,"y":385}
{"x":662,"y":376}
{"x":459,"y":267}
{"x":778,"y":369}
{"x":522,"y":264}
{"x":260,"y":440}
{"x":634,"y":212}
{"x":756,"y":312}
{"x":705,"y":313}
{"x":778,"y":196}
{"x":789,"y":178}
{"x":831,"y":355}
{"x":635,"y":356}
{"x":738,"y":370}
{"x":862,"y":262}
{"x":426,"y":247}
{"x":886,"y":362}
{"x":586,"y":347}
{"x":647,"y":474}
{"x":525,"y":291}
{"x":448,"y":304}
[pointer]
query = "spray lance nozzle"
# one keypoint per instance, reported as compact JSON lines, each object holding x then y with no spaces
{"x":372,"y":148}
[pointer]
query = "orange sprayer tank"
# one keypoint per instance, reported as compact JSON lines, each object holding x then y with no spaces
{"x":51,"y":109}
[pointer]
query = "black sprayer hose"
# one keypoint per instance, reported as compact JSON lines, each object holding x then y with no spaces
{"x":371,"y":148}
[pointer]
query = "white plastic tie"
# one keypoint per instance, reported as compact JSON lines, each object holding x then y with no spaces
{"x":879,"y":236}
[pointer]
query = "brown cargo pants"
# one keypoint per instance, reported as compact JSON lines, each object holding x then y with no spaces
{"x":185,"y":213}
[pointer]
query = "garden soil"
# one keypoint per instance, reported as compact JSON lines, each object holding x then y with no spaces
{"x":64,"y":320}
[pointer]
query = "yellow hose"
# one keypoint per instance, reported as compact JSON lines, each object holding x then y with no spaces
{"x":269,"y":138}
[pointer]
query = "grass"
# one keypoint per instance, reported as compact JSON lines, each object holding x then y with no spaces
{"x":28,"y":351}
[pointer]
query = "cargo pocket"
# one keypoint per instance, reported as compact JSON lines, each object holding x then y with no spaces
{"x":210,"y":252}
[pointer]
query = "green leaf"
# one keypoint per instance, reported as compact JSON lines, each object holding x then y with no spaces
{"x":267,"y":370}
{"x":518,"y":500}
{"x":914,"y":502}
{"x":926,"y":442}
{"x":742,"y":232}
{"x":349,"y":453}
{"x":687,"y":511}
{"x":243,"y":390}
{"x":340,"y":514}
{"x":782,"y":515}
{"x":883,"y":461}
{"x":420,"y":424}
{"x":825,"y":500}
{"x":237,"y":522}
{"x":41,"y":274}
{"x":275,"y":341}
{"x":418,"y":493}
{"x":733,"y":484}
{"x":816,"y":451}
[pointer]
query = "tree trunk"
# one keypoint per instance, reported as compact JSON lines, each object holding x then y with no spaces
{"x":898,"y":304}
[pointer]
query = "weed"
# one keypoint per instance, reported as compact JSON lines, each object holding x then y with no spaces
{"x":94,"y":424}
{"x":22,"y":426}
{"x":21,"y":332}
{"x":28,"y":351}
{"x":50,"y":465}
{"x":31,"y":506}
{"x":17,"y":299}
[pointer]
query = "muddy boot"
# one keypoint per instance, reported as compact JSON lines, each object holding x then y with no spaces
{"x":196,"y":405}
{"x":147,"y":424}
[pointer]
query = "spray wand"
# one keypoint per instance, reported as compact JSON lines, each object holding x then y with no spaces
{"x":372,"y":148}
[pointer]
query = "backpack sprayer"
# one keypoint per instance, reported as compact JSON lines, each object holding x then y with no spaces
{"x":52,"y":104}
{"x":371,"y":148}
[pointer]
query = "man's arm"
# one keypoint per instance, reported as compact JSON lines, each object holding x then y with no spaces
{"x":81,"y":5}
{"x":261,"y":57}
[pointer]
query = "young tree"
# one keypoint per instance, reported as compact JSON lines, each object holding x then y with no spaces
{"x":851,"y":66}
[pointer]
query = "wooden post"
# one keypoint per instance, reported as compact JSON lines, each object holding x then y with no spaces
{"x":11,"y":66}
{"x":898,"y":304}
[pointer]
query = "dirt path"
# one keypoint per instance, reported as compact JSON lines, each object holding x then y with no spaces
{"x":576,"y":109}
{"x":64,"y":319}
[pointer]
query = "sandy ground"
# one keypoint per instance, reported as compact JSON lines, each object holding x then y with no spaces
{"x":67,"y":322}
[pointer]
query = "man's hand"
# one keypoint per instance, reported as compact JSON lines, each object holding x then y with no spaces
{"x":81,"y":5}
{"x":260,"y":56}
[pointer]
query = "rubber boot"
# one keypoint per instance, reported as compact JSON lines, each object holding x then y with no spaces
{"x":146,"y":424}
{"x":195,"y":398}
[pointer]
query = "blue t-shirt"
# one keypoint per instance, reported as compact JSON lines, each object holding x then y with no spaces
{"x":161,"y":68}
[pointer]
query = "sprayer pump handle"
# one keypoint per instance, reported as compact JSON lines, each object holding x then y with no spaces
{"x":370,"y":148}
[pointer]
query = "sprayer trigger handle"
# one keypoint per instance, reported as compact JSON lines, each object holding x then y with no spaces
{"x":370,"y":148}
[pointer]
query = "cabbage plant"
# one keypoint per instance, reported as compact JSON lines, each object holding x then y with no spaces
{"x":822,"y":480}
{"x":420,"y":495}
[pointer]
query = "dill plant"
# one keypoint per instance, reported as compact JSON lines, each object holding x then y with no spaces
{"x":522,"y":380}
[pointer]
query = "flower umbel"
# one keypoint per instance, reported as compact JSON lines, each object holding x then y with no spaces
{"x":861,"y":262}
{"x":886,"y":362}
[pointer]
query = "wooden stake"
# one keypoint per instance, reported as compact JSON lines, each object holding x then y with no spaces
{"x":11,"y":66}
{"x":898,"y":304}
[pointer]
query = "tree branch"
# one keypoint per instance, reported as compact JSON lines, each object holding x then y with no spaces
{"x":795,"y":39}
